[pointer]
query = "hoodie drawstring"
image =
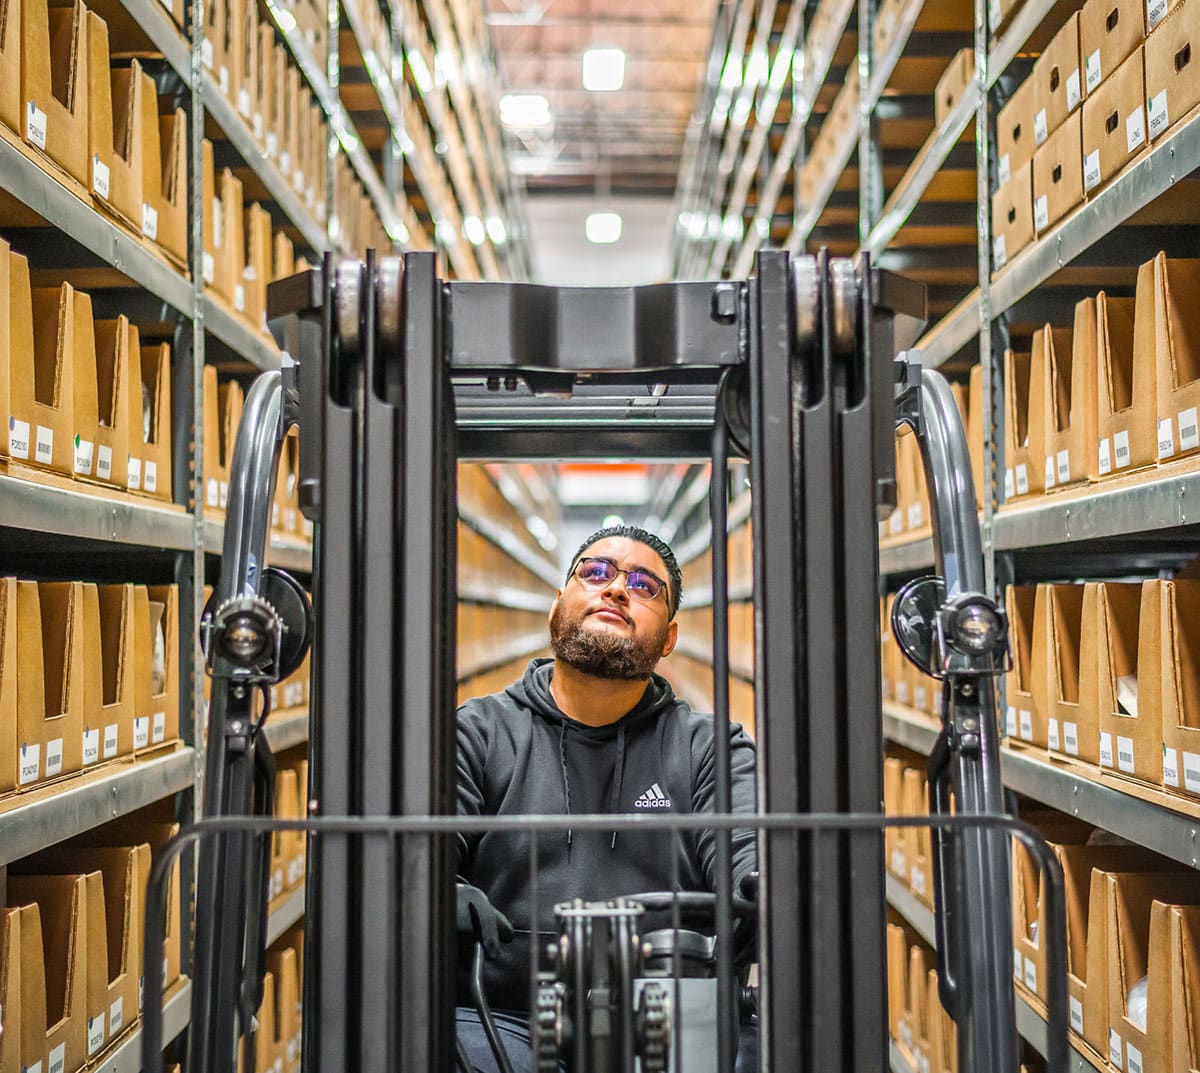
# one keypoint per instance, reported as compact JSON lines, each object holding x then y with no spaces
{"x":618,"y":777}
{"x":562,"y":762}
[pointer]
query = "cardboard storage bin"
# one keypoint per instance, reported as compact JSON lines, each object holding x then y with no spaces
{"x":1019,"y":602}
{"x":104,"y":416}
{"x":1025,"y":421}
{"x":1058,"y":174}
{"x":1058,"y":81}
{"x":1172,"y":58}
{"x":114,"y":130}
{"x":211,"y":225}
{"x":284,"y":964}
{"x":1166,"y":327}
{"x":1014,"y":132}
{"x":54,"y":945}
{"x":229,"y":55}
{"x":1108,"y":663}
{"x":912,"y":1032}
{"x":1171,"y":989}
{"x":1114,"y":122}
{"x":1126,"y":397}
{"x":11,"y":104}
{"x":150,"y":460}
{"x":1012,"y":216}
{"x":287,"y":807}
{"x":113,"y":646}
{"x":233,"y":242}
{"x":245,"y":60}
{"x":1061,"y":622}
{"x":1071,"y":407}
{"x":1051,"y":360}
{"x":222,"y":411}
{"x":915,"y":802}
{"x":953,"y":84}
{"x":262,"y":106}
{"x":256,"y":272}
{"x":54,"y":83}
{"x":164,"y":178}
{"x":975,"y":433}
{"x":155,"y":647}
{"x":895,"y":838}
{"x":1167,"y":655}
{"x":1109,"y":31}
{"x":11,"y":668}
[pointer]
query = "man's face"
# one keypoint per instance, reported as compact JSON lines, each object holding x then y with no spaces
{"x":607,"y":631}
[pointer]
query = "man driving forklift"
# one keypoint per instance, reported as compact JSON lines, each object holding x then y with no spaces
{"x":591,"y":730}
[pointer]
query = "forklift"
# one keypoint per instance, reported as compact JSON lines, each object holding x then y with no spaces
{"x":393,"y":376}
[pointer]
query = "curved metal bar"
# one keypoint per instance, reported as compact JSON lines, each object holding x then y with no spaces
{"x":485,"y":1012}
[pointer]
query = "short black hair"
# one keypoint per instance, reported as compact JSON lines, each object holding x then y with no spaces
{"x":655,"y":544}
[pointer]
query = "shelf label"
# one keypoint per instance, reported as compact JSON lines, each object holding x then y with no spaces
{"x":84,"y":451}
{"x":116,"y":1014}
{"x":895,"y":522}
{"x":1159,"y":119}
{"x":1135,"y":129}
{"x":110,"y":741}
{"x":243,"y":102}
{"x":918,"y":880}
{"x":1074,"y":95}
{"x":159,"y":731}
{"x":224,"y":494}
{"x":1170,"y":767}
{"x":150,"y":222}
{"x":104,"y":463}
{"x":1166,"y":438}
{"x":134,"y":478}
{"x":1049,"y":478}
{"x":1105,"y":456}
{"x":1156,"y":11}
{"x":57,"y":1060}
{"x":1018,"y":963}
{"x":920,"y":698}
{"x":91,"y":746}
{"x":95,"y":1033}
{"x":1125,"y":754}
{"x":44,"y":449}
{"x":999,"y":251}
{"x":1091,"y":71}
{"x":1040,"y":133}
{"x":18,"y":438}
{"x":1064,"y":466}
{"x":36,"y":1067}
{"x":1003,"y":169}
{"x":206,"y":53}
{"x":285,"y":162}
{"x":209,"y":268}
{"x":258,"y":125}
{"x":899,"y":864}
{"x":35,"y":125}
{"x":1076,"y":1015}
{"x":1191,"y":772}
{"x":1071,"y":738}
{"x":1041,"y":213}
{"x":54,"y":757}
{"x":223,"y":80}
{"x":1134,"y":1057}
{"x":1025,"y":721}
{"x":1120,"y":450}
{"x":298,"y":180}
{"x":902,"y":692}
{"x":31,"y":764}
{"x":100,"y":176}
{"x":150,"y":477}
{"x":1106,"y":749}
{"x":1114,"y":1048}
{"x":272,"y":144}
{"x":1091,"y":170}
{"x":212,"y":496}
{"x":1031,"y":975}
{"x":141,"y":732}
{"x":1010,"y":722}
{"x":239,"y":298}
{"x":914,"y":516}
{"x":1010,"y":489}
{"x":1022,"y":479}
{"x":1189,"y":437}
{"x":1052,"y":735}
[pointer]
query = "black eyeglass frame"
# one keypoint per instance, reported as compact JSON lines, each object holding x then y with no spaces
{"x":664,"y":587}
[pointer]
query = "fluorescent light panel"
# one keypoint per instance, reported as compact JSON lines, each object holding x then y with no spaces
{"x":603,"y":228}
{"x":603,"y":69}
{"x":525,"y":110}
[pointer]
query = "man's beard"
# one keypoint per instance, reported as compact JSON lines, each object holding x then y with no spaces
{"x":601,"y":653}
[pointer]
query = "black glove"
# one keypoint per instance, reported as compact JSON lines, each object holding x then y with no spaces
{"x":479,"y":921}
{"x":745,"y":932}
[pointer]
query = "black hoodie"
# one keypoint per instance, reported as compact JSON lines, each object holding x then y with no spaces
{"x":518,"y":754}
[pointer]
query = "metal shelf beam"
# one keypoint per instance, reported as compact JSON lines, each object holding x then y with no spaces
{"x":288,"y":554}
{"x":288,"y":913}
{"x":257,"y":348}
{"x":909,"y":728}
{"x":286,"y":732}
{"x":126,"y":1057}
{"x":164,"y":35}
{"x":904,"y":558}
{"x":503,"y":596}
{"x":507,"y":652}
{"x":919,"y":915}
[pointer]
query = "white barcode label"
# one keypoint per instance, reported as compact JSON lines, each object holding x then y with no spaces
{"x":1156,"y":11}
{"x":116,"y":1014}
{"x":84,"y":451}
{"x":1191,"y":772}
{"x":895,"y":522}
{"x":206,"y":53}
{"x":54,"y":757}
{"x":285,"y":162}
{"x":1022,"y":479}
{"x":1105,"y":457}
{"x":110,"y":741}
{"x":1025,"y":723}
{"x":918,"y":880}
{"x":1135,"y":129}
{"x":1074,"y":96}
{"x":1166,"y":437}
{"x":150,"y":477}
{"x":100,"y":176}
{"x":914,"y":516}
{"x":1114,"y":1048}
{"x":258,"y":126}
{"x":212,"y":492}
{"x":44,"y":451}
{"x":1071,"y":738}
{"x":1010,"y":488}
{"x":223,"y":80}
{"x":272,"y":144}
{"x":902,"y":692}
{"x":36,"y":1067}
{"x":1091,"y":70}
{"x":1159,"y":119}
{"x":18,"y":438}
{"x":133,"y":479}
{"x":1010,"y":722}
{"x":298,"y":180}
{"x":1091,"y":170}
{"x":1125,"y":754}
{"x":225,"y":495}
{"x":1120,"y":450}
{"x":899,"y":864}
{"x":1041,"y":213}
{"x":1106,"y":749}
{"x":243,"y":102}
{"x":1063,"y":458}
{"x":158,"y":732}
{"x":1040,"y":133}
{"x":104,"y":462}
{"x":1049,"y":475}
{"x":35,"y":125}
{"x":57,"y":1060}
{"x":920,"y":698}
{"x":1170,"y":767}
{"x":209,"y":268}
{"x":150,"y":222}
{"x":999,"y":251}
{"x":1052,"y":739}
{"x":95,"y":1033}
{"x":1031,"y":976}
{"x":141,"y":732}
{"x":239,"y":298}
{"x":30,"y":767}
{"x":1003,"y":169}
{"x":1018,"y":964}
{"x":1133,"y":1058}
{"x":1189,"y":436}
{"x":1076,"y":1015}
{"x":91,"y":746}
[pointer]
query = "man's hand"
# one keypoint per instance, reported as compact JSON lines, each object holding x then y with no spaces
{"x":479,"y":921}
{"x":745,"y":932}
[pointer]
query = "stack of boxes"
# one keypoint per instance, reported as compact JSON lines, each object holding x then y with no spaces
{"x":924,"y":1033}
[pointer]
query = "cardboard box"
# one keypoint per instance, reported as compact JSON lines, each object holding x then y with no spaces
{"x":10,"y":80}
{"x":276,"y":121}
{"x":284,"y":965}
{"x":212,"y":225}
{"x":1176,"y":347}
{"x":222,"y":411}
{"x":1014,"y":132}
{"x":897,"y":972}
{"x":1108,"y":654}
{"x":1035,"y":729}
{"x":1171,"y":989}
{"x":229,"y":61}
{"x":1058,"y":175}
{"x":1114,"y":123}
{"x":1169,"y":642}
{"x":953,"y":84}
{"x":54,"y":84}
{"x":11,"y":668}
{"x":114,"y":132}
{"x":915,"y":802}
{"x":1012,"y":216}
{"x":256,"y":272}
{"x":113,"y":383}
{"x":233,"y":242}
{"x":912,"y":1018}
{"x":1126,"y":386}
{"x":54,"y":939}
{"x":943,"y":1033}
{"x":40,"y":385}
{"x":289,"y":141}
{"x":212,"y":46}
{"x":1000,"y":12}
{"x":1065,"y":671}
{"x":1052,"y":354}
{"x":246,"y":56}
{"x":156,"y":642}
{"x":287,"y":806}
{"x":154,"y":469}
{"x":1025,"y":421}
{"x":975,"y":433}
{"x":1020,"y":604}
{"x":1109,"y":31}
{"x":264,"y":1041}
{"x":262,"y":105}
{"x":1172,"y":79}
{"x":283,"y":259}
{"x":1058,"y":81}
{"x":164,"y":178}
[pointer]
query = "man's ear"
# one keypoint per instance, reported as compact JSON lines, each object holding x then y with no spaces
{"x":557,"y":597}
{"x":672,"y":637}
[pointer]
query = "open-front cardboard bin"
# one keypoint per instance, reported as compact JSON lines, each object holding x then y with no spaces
{"x":10,"y":79}
{"x":1108,"y":654}
{"x":212,"y":229}
{"x":256,"y":272}
{"x":164,"y":177}
{"x":895,"y":838}
{"x":114,"y":128}
{"x":222,"y":412}
{"x":943,"y":1033}
{"x":246,"y":78}
{"x":287,"y":807}
{"x":1173,"y":69}
{"x":1171,"y":643}
{"x":1024,"y":422}
{"x":1125,"y":388}
{"x":233,"y":239}
{"x":1171,"y":339}
{"x":1052,"y":350}
{"x":915,"y":802}
{"x":111,"y":646}
{"x":1020,"y":703}
{"x":1131,"y":738}
{"x":10,"y":988}
{"x":284,"y":964}
{"x":54,"y":83}
{"x":103,"y":414}
{"x":912,"y":1033}
{"x":10,"y":668}
{"x":262,"y":106}
{"x":1173,"y":989}
{"x":1057,"y":637}
{"x":162,"y":697}
{"x":154,"y":453}
{"x":1071,"y":407}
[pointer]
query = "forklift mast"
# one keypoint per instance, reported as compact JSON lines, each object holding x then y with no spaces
{"x":393,"y":376}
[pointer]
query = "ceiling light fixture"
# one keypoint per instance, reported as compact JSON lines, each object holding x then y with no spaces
{"x":603,"y":228}
{"x":525,"y":111}
{"x":603,"y":69}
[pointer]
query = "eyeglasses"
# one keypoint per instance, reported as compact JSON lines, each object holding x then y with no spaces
{"x":600,"y":573}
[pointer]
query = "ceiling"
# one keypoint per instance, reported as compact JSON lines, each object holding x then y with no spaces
{"x":624,"y":141}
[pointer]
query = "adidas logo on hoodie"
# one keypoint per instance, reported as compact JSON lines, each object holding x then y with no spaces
{"x":653,"y":798}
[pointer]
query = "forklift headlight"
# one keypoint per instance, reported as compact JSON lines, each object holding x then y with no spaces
{"x":245,"y":632}
{"x":977,"y":628}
